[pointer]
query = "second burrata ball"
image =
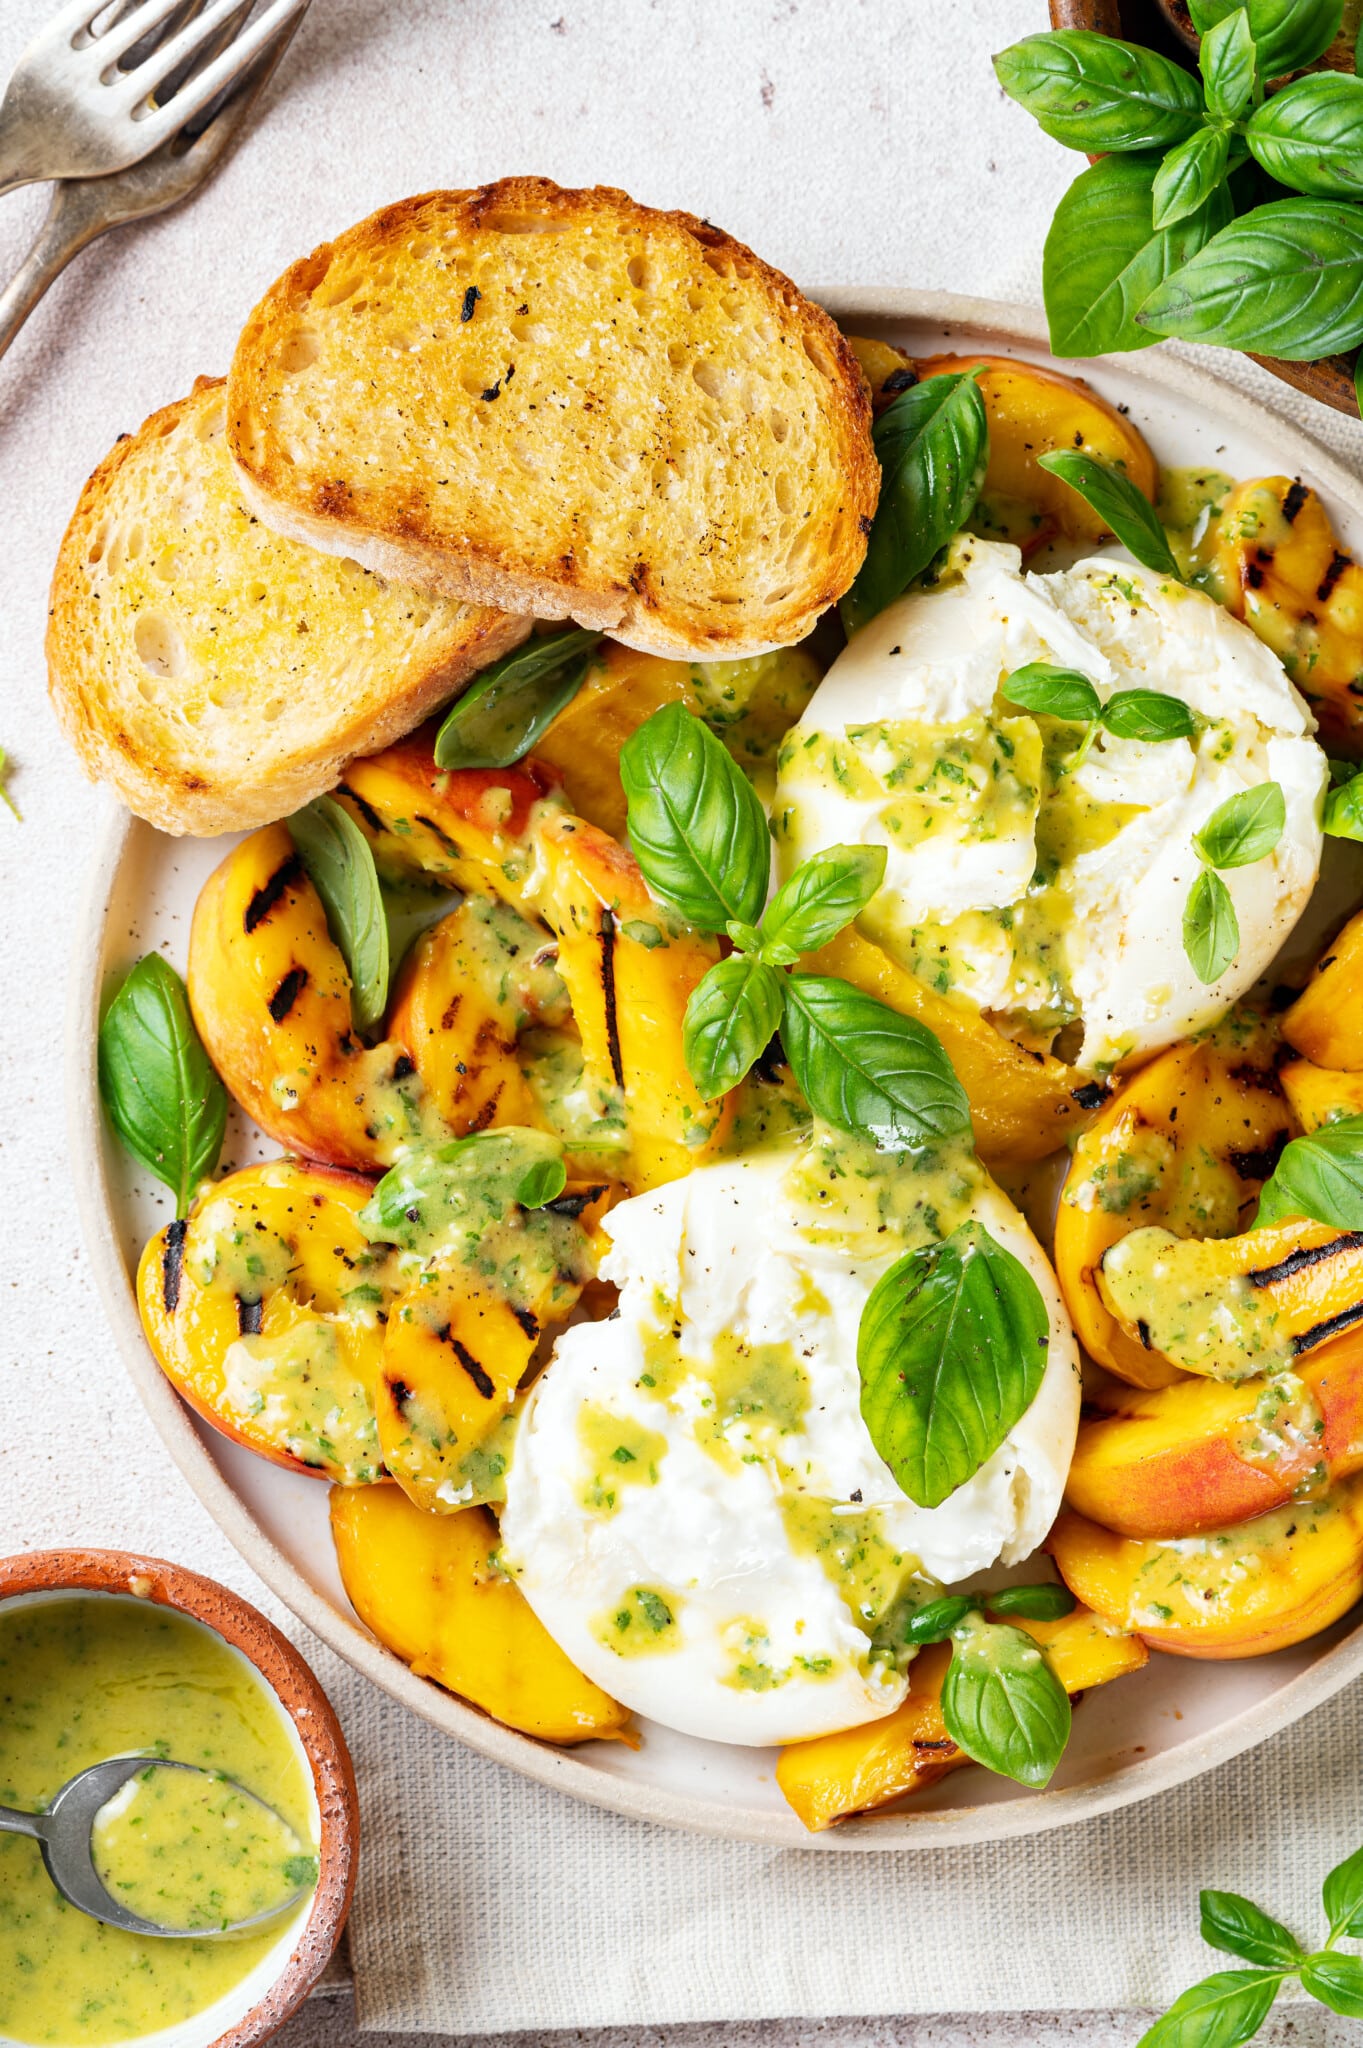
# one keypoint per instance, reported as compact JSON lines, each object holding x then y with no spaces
{"x":695,"y":1509}
{"x":1050,"y":895}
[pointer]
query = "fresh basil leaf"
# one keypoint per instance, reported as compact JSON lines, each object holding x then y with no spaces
{"x":1245,"y":828}
{"x":1189,"y":175}
{"x":1241,"y":1928}
{"x":821,"y":897}
{"x":436,"y":1192}
{"x":696,"y":826}
{"x":1320,"y":1176}
{"x":863,"y":1067}
{"x":1052,"y":692}
{"x":933,"y":446}
{"x":1092,"y":92}
{"x":1104,"y":257}
{"x":1358,"y":359}
{"x":1116,"y":500}
{"x":730,"y":1020}
{"x":158,"y":1086}
{"x":340,"y":865}
{"x":1226,"y":60}
{"x":1337,"y":1981}
{"x":951,"y":1351}
{"x":1221,"y":2012}
{"x":1310,"y":135}
{"x":511,"y":705}
{"x":1211,"y":930}
{"x":1285,"y":279}
{"x":1342,"y":1896}
{"x":1344,"y":809}
{"x":1002,"y":1703}
{"x":934,"y":1623}
{"x":1044,"y":1602}
{"x":1288,"y":34}
{"x":1148,"y":715}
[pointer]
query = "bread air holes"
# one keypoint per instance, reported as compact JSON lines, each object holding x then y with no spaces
{"x":778,"y":424}
{"x":504,"y":221}
{"x":299,"y":351}
{"x":640,"y":273}
{"x":159,"y":646}
{"x":124,"y":544}
{"x":336,"y":286}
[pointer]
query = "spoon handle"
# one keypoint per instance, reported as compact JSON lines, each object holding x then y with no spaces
{"x":13,"y":1821}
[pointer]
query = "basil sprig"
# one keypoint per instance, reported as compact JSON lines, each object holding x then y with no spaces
{"x":1229,"y":2007}
{"x":340,"y":865}
{"x":1319,"y":1176}
{"x":1244,"y":829}
{"x":511,"y":705}
{"x":951,"y":1353}
{"x":1146,"y":242}
{"x":700,"y":836}
{"x":1112,"y":495}
{"x":1063,"y":693}
{"x":158,"y":1086}
{"x":1001,"y":1702}
{"x":933,"y":445}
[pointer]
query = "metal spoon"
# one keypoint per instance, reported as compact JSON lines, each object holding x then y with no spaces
{"x":63,"y":1831}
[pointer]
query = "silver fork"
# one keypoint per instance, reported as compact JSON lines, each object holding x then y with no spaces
{"x":71,"y":109}
{"x":83,"y":208}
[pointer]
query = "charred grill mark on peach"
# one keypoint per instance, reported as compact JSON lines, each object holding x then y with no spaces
{"x":1304,"y":1258}
{"x":1337,"y":565}
{"x":365,"y":809}
{"x":284,"y":878}
{"x":287,"y":994}
{"x":172,"y":1263}
{"x":444,"y":838}
{"x":1258,"y":1164}
{"x":481,"y":1378}
{"x":1333,"y":1326}
{"x":1297,"y":495}
{"x":528,"y":1321}
{"x":1091,"y":1094}
{"x":607,"y":930}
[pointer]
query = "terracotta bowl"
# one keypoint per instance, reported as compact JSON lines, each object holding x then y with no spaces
{"x":253,"y":2011}
{"x":1164,"y":25}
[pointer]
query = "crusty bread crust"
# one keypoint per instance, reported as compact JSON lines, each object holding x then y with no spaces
{"x":218,"y":675}
{"x":564,"y":403}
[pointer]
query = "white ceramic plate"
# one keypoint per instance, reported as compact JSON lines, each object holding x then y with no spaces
{"x":1131,"y":1740}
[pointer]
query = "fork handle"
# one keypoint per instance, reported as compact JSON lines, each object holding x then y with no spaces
{"x":65,"y":231}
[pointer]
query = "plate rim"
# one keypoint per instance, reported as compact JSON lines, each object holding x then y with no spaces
{"x":564,"y":1771}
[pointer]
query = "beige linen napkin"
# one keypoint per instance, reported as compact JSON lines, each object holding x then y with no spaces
{"x":489,"y":1904}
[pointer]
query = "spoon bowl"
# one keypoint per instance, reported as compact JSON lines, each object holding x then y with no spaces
{"x":64,"y":1832}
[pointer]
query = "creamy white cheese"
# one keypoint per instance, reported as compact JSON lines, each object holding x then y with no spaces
{"x":1049,"y":899}
{"x":726,"y":1574}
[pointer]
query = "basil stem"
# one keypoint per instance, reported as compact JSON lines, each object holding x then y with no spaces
{"x":507,"y":708}
{"x":158,"y":1086}
{"x":340,"y":865}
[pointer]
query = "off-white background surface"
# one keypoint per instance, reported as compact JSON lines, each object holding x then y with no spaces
{"x":851,"y":142}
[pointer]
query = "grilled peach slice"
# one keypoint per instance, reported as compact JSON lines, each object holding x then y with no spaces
{"x":1032,"y":410}
{"x":468,"y":828}
{"x":264,"y":1308}
{"x":623,"y":689}
{"x":1025,"y":1105}
{"x":271,"y":998}
{"x":888,"y":370}
{"x":432,"y":1591}
{"x":1325,"y":1024}
{"x":1273,"y":559}
{"x":630,"y":970}
{"x":1186,"y":1143}
{"x":1236,"y":1307}
{"x":1243,"y":1591}
{"x":1319,"y":1095}
{"x":467,"y":989}
{"x":863,"y":1769}
{"x":457,"y":1350}
{"x":1200,"y":1454}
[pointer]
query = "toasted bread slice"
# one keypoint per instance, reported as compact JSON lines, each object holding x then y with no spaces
{"x":563,"y":403}
{"x":215,"y":673}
